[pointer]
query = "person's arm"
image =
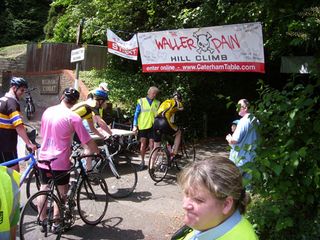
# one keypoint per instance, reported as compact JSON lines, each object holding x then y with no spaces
{"x":230,"y":140}
{"x":13,"y":232}
{"x":94,"y":129}
{"x":135,"y":118}
{"x":92,"y":147}
{"x":102,"y":124}
{"x":23,"y":134}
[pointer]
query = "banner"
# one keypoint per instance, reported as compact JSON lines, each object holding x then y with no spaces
{"x":125,"y":49}
{"x":229,"y":48}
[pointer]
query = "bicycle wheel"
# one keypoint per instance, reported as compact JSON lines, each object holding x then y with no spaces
{"x":33,"y":185}
{"x":160,"y":158}
{"x":28,"y":111}
{"x":122,"y":179}
{"x":188,"y":155}
{"x":30,"y":226}
{"x":92,"y":198}
{"x":134,"y":146}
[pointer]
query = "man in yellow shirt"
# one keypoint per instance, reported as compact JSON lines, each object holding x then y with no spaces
{"x":164,"y":123}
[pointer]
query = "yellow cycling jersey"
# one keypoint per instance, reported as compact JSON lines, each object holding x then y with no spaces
{"x":86,"y":109}
{"x":168,"y":108}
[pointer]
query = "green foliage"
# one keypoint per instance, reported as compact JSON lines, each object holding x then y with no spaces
{"x":287,"y":167}
{"x":22,"y":21}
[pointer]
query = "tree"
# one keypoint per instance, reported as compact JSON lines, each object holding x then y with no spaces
{"x":22,"y":20}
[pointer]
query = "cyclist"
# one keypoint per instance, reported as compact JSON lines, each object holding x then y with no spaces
{"x":58,"y":124}
{"x":144,"y":115}
{"x":105,"y":111}
{"x":102,"y":86}
{"x":164,"y":122}
{"x":89,"y":110}
{"x":11,"y":124}
{"x":9,"y":202}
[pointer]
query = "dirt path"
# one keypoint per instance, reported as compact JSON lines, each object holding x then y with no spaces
{"x":153,"y":211}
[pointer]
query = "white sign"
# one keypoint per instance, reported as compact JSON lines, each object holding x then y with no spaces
{"x":77,"y":55}
{"x":229,"y":48}
{"x":125,"y":49}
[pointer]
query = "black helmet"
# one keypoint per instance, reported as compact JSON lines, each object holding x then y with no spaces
{"x":178,"y":95}
{"x":19,"y":82}
{"x":71,"y":94}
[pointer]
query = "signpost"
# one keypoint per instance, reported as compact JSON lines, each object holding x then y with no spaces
{"x":77,"y":54}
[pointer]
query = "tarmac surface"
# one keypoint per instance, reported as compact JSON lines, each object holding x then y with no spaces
{"x":153,"y":211}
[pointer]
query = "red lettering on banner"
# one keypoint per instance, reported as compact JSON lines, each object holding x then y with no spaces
{"x":230,"y":42}
{"x":116,"y":47}
{"x":175,"y":43}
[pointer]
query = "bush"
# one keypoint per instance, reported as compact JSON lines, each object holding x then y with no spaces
{"x":286,"y":175}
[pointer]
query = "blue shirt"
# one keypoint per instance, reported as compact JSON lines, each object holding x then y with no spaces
{"x":219,"y":230}
{"x":246,"y":137}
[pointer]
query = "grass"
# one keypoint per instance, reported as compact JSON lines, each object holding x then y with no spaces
{"x":13,"y":51}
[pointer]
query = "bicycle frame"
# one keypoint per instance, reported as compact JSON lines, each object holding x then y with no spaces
{"x":29,"y":168}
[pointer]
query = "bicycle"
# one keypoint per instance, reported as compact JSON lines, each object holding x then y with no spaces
{"x":30,"y":108}
{"x":87,"y":187}
{"x":160,"y":160}
{"x":30,"y":175}
{"x":123,"y":177}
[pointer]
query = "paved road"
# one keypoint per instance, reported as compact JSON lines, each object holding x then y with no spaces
{"x":152,"y":212}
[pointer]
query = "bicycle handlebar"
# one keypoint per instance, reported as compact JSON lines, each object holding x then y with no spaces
{"x":31,"y":89}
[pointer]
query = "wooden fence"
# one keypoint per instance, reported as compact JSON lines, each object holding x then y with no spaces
{"x":55,"y":56}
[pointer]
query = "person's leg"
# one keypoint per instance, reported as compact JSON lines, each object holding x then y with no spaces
{"x":16,"y":167}
{"x":88,"y":159}
{"x":63,"y":187}
{"x":41,"y":203}
{"x":177,"y":141}
{"x":143,"y":148}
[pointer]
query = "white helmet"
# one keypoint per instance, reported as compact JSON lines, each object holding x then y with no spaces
{"x":104,"y":86}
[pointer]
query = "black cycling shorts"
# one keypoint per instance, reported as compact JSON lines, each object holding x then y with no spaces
{"x":161,"y":126}
{"x":7,"y":156}
{"x":45,"y":175}
{"x":146,"y":133}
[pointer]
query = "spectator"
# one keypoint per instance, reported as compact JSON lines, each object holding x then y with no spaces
{"x":58,"y":124}
{"x":214,"y":202}
{"x":11,"y":124}
{"x":243,"y":140}
{"x":146,"y":110}
{"x":9,"y":203}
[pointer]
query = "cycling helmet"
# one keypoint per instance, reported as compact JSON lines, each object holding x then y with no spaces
{"x":71,"y":94}
{"x":178,"y":95}
{"x":19,"y":82}
{"x":104,"y":86}
{"x":100,"y":95}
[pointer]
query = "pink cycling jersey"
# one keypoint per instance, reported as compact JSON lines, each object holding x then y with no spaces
{"x":58,"y":125}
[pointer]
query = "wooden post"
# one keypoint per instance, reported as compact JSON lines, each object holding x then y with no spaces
{"x":79,"y":36}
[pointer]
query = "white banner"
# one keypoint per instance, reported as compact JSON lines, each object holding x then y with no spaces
{"x":229,"y":48}
{"x":125,"y":49}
